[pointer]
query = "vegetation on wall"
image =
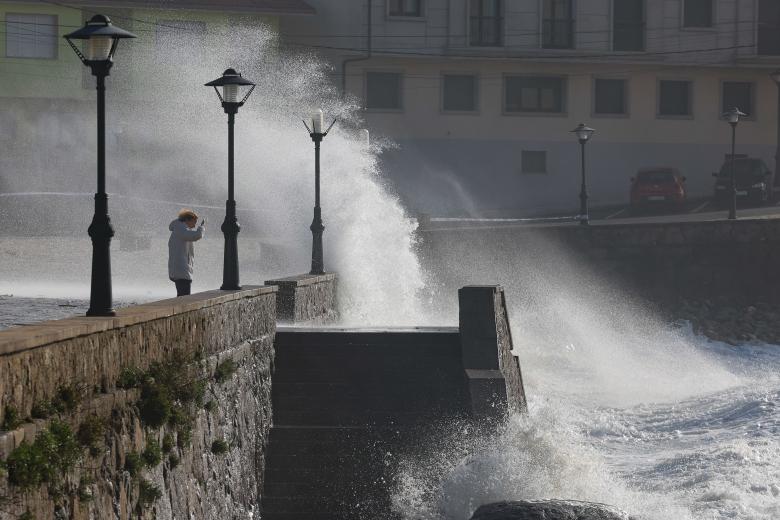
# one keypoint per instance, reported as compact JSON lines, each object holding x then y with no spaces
{"x":171,"y":393}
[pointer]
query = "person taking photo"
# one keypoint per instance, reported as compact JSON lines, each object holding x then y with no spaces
{"x":181,"y":251}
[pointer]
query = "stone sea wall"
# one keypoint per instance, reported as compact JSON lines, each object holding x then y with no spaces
{"x":159,"y":412}
{"x":662,"y":262}
{"x":306,"y":298}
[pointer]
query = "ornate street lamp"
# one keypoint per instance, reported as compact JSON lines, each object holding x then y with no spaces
{"x":317,"y":227}
{"x":776,"y":78}
{"x":235,"y":91}
{"x":732,"y":116}
{"x":101,"y":40}
{"x":583,"y":134}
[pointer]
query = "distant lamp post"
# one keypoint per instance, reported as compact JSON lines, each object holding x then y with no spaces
{"x":732,"y":116}
{"x":316,"y":133}
{"x":776,"y":78}
{"x":101,"y":39}
{"x":583,"y":134}
{"x":235,"y":91}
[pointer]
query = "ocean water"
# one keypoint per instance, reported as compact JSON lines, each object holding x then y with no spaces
{"x":687,"y":430}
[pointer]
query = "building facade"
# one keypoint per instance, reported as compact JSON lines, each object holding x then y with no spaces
{"x":481,"y":95}
{"x":47,"y":95}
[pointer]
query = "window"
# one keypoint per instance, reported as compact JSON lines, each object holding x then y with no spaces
{"x":459,"y":93}
{"x":527,"y":94}
{"x":31,"y":36}
{"x":674,"y":98}
{"x":383,"y":90}
{"x":628,"y":25}
{"x":485,"y":23}
{"x":533,"y":161}
{"x":768,"y":27}
{"x":697,"y":13}
{"x":405,"y":8}
{"x":737,"y":94}
{"x":558,"y":25}
{"x":610,"y":96}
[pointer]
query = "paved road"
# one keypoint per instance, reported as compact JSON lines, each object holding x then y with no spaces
{"x":694,"y":211}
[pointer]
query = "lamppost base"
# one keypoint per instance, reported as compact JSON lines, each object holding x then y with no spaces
{"x":95,"y":314}
{"x":230,"y":288}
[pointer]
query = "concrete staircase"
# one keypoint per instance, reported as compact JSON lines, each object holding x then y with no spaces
{"x":345,"y":404}
{"x":349,"y":405}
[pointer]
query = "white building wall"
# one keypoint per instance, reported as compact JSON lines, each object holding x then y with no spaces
{"x":470,"y":163}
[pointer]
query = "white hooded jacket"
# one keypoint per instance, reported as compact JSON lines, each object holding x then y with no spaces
{"x":181,"y":251}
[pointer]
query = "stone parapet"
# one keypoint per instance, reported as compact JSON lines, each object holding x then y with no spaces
{"x":495,"y":382}
{"x":306,"y":298}
{"x":229,"y":333}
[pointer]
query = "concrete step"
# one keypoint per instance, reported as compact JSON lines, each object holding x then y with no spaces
{"x":372,"y":418}
{"x":354,"y":505}
{"x":362,"y":370}
{"x":407,"y":339}
{"x":408,"y":399}
{"x":358,"y":515}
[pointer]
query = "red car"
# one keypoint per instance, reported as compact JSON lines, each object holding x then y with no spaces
{"x":658,"y":187}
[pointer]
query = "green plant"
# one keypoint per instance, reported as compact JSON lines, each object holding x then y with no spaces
{"x":184,"y":435}
{"x":27,"y":515}
{"x":133,"y":463}
{"x":11,"y":419}
{"x":24,"y":466}
{"x":219,"y":447}
{"x":168,"y":442}
{"x":68,"y":398}
{"x":210,"y":405}
{"x":53,"y":453}
{"x":173,"y":460}
{"x":224,"y":370}
{"x":152,"y":454}
{"x":91,"y":434}
{"x":148,"y":493}
{"x":85,"y":489}
{"x":191,"y":392}
{"x":130,"y":377}
{"x":179,"y":415}
{"x":42,"y":409}
{"x":155,"y":404}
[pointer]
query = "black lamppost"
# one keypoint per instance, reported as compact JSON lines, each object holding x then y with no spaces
{"x":732,"y":116}
{"x":317,"y":227}
{"x":583,"y":135}
{"x":101,"y":41}
{"x":776,"y":78}
{"x":231,"y":82}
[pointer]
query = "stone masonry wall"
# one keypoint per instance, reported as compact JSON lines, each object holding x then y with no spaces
{"x":201,"y":335}
{"x":306,"y":298}
{"x":739,"y":260}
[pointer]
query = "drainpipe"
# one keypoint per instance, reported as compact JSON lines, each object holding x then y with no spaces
{"x":361,"y":58}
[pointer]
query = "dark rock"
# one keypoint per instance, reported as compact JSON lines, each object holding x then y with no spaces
{"x":548,"y":510}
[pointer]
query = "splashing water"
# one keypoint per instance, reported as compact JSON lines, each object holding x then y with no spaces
{"x":168,"y":141}
{"x":624,"y":410}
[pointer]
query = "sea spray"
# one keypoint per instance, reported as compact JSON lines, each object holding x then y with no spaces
{"x":167,"y":141}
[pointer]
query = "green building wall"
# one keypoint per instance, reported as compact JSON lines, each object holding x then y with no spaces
{"x":63,"y":77}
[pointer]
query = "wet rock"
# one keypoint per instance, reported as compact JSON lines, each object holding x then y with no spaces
{"x":548,"y":510}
